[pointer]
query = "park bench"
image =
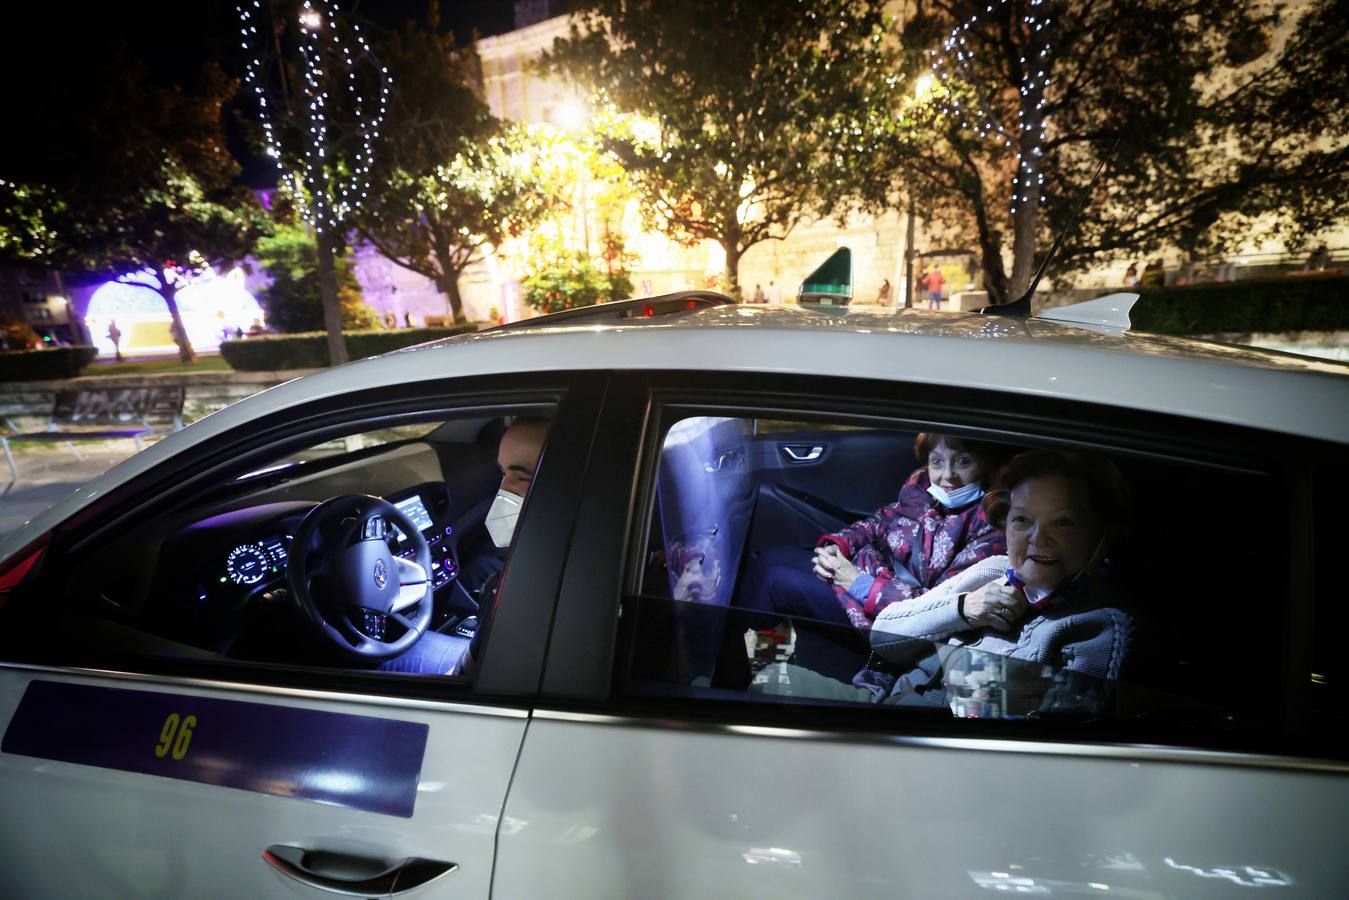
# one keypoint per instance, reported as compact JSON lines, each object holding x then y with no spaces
{"x":100,"y":414}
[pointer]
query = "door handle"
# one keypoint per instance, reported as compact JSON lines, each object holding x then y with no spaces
{"x":802,"y":452}
{"x":354,"y":876}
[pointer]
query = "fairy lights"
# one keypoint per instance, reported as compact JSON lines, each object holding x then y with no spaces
{"x":951,"y":65}
{"x":325,"y":194}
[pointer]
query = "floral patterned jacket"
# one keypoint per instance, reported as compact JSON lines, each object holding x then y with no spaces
{"x":911,"y":546}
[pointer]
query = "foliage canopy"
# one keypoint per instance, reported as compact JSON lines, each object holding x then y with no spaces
{"x":292,"y":300}
{"x":1224,"y":129}
{"x":743,"y":131}
{"x":451,"y":181}
{"x":154,"y":195}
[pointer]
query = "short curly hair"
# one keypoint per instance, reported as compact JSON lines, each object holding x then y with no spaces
{"x":991,"y":456}
{"x":1107,"y":491}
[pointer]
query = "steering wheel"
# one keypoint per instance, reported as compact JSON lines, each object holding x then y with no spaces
{"x":364,"y":585}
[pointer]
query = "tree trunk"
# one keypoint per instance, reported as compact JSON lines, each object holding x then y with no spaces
{"x":1026,"y":195}
{"x":1023,"y":247}
{"x":908,"y":256}
{"x":332,"y":311}
{"x":990,"y":258}
{"x":185,"y":352}
{"x":448,"y":282}
{"x":449,"y":286}
{"x":733,"y":254}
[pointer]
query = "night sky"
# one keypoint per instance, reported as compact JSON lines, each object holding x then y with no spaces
{"x":56,"y":48}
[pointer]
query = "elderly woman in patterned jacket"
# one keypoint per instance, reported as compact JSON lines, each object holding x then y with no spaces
{"x":1038,"y":629}
{"x":935,"y":530}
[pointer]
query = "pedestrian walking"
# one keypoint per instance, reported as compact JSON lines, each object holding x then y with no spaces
{"x":115,"y":335}
{"x":1131,"y":275}
{"x":933,"y":282}
{"x":1318,"y":259}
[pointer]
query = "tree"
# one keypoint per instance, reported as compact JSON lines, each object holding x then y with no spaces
{"x":571,"y":281}
{"x":452,"y":183}
{"x":151,"y":202}
{"x":576,"y":254}
{"x":1023,"y":99}
{"x":320,"y":120}
{"x":292,"y":300}
{"x":743,"y":131}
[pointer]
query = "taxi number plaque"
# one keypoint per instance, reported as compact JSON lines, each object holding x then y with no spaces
{"x":359,"y":762}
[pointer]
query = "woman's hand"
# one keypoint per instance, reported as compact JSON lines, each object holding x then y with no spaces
{"x":832,"y":567}
{"x":996,"y":605}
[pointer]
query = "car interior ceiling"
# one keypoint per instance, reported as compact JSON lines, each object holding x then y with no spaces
{"x":1176,"y":565}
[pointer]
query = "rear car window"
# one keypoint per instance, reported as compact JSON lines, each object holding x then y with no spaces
{"x":1168,"y":625}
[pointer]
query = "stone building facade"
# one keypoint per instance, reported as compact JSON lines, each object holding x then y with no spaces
{"x":514,"y":92}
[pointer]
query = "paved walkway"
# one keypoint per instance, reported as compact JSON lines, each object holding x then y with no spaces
{"x":47,"y":474}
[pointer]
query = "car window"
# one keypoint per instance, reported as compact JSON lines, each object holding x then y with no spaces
{"x":1329,"y":676}
{"x":351,"y":443}
{"x":911,"y":571}
{"x":381,"y":550}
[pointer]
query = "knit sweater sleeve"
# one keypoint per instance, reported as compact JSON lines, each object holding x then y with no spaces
{"x":1096,"y":643}
{"x":905,"y":631}
{"x":1089,"y":657}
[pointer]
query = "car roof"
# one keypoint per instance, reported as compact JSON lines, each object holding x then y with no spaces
{"x":917,"y":323}
{"x":1214,"y":382}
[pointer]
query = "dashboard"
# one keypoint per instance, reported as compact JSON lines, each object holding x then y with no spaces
{"x":251,"y":546}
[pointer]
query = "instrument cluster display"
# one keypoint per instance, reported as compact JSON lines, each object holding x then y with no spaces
{"x":249,"y":564}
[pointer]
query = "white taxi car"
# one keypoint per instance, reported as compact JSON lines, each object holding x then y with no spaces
{"x":462,"y":621}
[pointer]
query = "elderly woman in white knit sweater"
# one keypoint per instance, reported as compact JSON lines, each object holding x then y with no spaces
{"x":1045,"y":604}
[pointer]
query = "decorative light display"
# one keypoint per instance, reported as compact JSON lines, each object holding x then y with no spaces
{"x":211,"y":307}
{"x":335,"y":195}
{"x":952,"y":63}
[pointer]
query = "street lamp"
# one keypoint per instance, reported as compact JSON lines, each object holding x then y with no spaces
{"x":572,"y":115}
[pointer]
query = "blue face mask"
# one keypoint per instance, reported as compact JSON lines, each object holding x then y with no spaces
{"x":961,"y":496}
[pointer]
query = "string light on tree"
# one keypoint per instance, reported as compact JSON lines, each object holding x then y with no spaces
{"x":951,"y":67}
{"x":325,"y":192}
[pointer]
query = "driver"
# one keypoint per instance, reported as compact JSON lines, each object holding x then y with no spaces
{"x":517,"y":458}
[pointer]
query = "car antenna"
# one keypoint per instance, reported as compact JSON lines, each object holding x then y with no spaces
{"x":1021,"y":306}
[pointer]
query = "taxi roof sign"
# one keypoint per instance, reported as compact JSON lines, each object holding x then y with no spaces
{"x":831,"y":283}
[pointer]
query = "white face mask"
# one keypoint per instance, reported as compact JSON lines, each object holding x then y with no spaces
{"x":961,"y":496}
{"x":502,"y":516}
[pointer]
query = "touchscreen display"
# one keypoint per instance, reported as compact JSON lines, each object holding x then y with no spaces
{"x":415,"y":510}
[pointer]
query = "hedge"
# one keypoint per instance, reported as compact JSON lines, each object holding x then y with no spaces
{"x":52,"y":363}
{"x":309,"y":349}
{"x":1307,"y":303}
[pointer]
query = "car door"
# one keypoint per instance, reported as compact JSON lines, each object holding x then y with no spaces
{"x":156,"y":777}
{"x":812,"y":481}
{"x":682,"y":789}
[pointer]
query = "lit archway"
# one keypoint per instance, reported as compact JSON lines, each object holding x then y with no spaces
{"x":211,"y":308}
